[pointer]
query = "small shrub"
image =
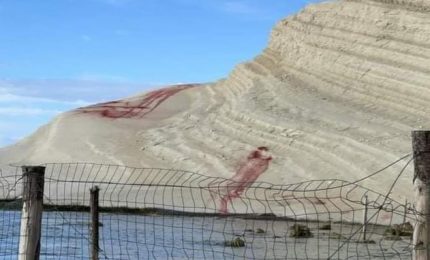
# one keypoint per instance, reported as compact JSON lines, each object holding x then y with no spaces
{"x":392,"y":237}
{"x":300,"y":231}
{"x":338,"y":236}
{"x":267,"y":216}
{"x":396,"y":231}
{"x":406,"y":229}
{"x":260,"y":231}
{"x":325,"y":227}
{"x":391,"y":231}
{"x":367,"y":241}
{"x":237,"y":242}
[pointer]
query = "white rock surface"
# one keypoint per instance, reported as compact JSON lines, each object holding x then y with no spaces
{"x":334,"y":95}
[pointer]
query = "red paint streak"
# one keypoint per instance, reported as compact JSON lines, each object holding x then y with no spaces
{"x":136,"y":108}
{"x":386,"y":216}
{"x":256,"y":164}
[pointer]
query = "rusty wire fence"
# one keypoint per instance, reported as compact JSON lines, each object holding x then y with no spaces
{"x":171,"y":214}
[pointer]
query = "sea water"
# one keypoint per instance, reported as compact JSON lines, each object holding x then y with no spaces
{"x":66,"y":235}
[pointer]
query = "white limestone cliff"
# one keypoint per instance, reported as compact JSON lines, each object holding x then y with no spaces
{"x":334,"y":95}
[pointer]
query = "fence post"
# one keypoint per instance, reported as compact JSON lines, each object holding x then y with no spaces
{"x":94,"y":208}
{"x":405,"y":213}
{"x":31,"y":216}
{"x":421,"y":152}
{"x":365,"y":218}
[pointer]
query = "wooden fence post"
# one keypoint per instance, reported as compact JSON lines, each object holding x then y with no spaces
{"x":94,"y":208}
{"x":405,"y":213}
{"x":32,"y":208}
{"x":365,"y":218}
{"x":421,"y":152}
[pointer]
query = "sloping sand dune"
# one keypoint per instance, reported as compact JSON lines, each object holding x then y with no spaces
{"x":334,"y":95}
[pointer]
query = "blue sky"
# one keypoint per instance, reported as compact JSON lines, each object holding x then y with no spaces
{"x":56,"y":55}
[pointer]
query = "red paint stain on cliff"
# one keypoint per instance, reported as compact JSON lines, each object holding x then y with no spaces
{"x":136,"y":108}
{"x":256,"y":164}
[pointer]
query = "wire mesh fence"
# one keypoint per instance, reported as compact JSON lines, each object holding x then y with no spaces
{"x":170,"y":214}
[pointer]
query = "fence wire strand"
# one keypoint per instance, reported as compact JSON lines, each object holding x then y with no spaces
{"x":153,"y":213}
